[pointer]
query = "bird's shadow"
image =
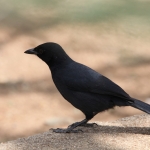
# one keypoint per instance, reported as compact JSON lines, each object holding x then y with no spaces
{"x":117,"y":129}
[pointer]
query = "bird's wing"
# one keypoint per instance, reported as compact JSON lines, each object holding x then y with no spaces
{"x":88,"y":80}
{"x":106,"y":86}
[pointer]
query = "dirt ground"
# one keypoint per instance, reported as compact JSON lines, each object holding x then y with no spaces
{"x":29,"y":101}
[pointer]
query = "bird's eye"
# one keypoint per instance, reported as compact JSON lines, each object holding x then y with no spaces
{"x":40,"y":51}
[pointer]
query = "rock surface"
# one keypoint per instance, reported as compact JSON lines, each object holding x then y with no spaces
{"x":131,"y":133}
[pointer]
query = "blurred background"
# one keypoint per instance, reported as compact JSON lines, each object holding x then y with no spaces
{"x":110,"y":36}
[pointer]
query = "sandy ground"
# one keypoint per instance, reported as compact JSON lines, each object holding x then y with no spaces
{"x":29,"y":101}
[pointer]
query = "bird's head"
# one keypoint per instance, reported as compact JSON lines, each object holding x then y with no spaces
{"x":49,"y":53}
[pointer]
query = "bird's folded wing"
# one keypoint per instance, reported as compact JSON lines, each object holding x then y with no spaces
{"x":106,"y":86}
{"x":101,"y":85}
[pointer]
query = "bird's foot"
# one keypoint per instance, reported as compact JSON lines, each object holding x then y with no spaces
{"x":68,"y":130}
{"x":89,"y":125}
{"x":71,"y":128}
{"x":83,"y":125}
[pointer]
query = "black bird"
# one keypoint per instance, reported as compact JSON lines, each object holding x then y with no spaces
{"x":83,"y":87}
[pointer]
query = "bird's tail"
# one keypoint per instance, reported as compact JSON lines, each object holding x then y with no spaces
{"x":139,"y":105}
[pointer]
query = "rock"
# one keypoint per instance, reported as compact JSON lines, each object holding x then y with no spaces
{"x":131,"y":133}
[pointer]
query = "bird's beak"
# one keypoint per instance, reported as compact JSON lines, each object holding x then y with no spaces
{"x":30,"y":51}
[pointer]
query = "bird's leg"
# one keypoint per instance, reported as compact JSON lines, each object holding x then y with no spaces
{"x":71,"y":127}
{"x":82,"y":123}
{"x":89,"y":116}
{"x":76,"y":124}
